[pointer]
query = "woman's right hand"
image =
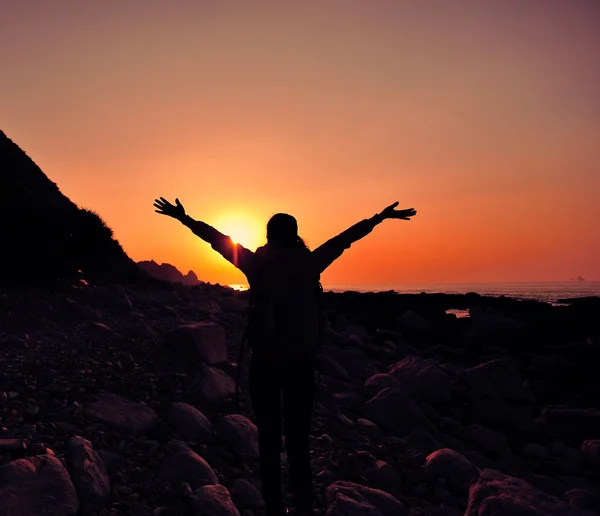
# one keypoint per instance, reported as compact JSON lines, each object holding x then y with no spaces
{"x":177,"y":211}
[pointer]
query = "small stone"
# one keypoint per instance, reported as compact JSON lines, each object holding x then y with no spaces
{"x":123,"y":490}
{"x":13,"y":395}
{"x":32,"y":410}
{"x":39,"y":449}
{"x":536,"y":451}
{"x":64,"y":428}
{"x":186,"y":490}
{"x":205,"y":341}
{"x":101,"y":326}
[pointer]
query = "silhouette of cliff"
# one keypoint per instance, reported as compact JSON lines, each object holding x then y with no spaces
{"x":168,"y":272}
{"x":46,"y":238}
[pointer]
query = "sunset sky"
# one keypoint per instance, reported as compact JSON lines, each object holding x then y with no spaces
{"x":484,"y":116}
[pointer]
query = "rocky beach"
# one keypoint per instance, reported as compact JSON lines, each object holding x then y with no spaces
{"x":119,"y":399}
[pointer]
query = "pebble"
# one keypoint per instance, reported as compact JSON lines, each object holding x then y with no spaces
{"x":29,"y":430}
{"x":33,"y":410}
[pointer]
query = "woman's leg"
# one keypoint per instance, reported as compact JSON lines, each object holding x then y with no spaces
{"x":265,"y":393}
{"x":298,"y":399}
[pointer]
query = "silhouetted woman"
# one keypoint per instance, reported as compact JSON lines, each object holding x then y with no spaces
{"x":283,"y":276}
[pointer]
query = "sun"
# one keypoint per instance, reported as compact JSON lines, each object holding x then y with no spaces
{"x":242,"y":230}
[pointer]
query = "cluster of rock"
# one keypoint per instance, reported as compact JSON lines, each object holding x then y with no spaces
{"x":119,"y":400}
{"x":169,"y":273}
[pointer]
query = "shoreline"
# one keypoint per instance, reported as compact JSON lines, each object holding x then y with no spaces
{"x":552,"y":292}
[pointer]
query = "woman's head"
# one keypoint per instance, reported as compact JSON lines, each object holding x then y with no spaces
{"x":282,"y":231}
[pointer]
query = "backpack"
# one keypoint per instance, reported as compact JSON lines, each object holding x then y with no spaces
{"x":285,"y":326}
{"x":286,"y":321}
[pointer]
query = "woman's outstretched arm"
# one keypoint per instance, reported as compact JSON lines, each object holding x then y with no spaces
{"x":331,"y":250}
{"x":237,"y":254}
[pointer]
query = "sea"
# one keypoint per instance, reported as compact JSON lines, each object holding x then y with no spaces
{"x":549,"y":292}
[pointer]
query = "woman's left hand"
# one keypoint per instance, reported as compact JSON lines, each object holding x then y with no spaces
{"x":391,"y":213}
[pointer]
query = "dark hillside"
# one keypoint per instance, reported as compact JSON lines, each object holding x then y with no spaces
{"x":45,"y":237}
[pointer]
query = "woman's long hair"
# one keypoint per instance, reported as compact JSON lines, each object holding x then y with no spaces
{"x":282,"y":232}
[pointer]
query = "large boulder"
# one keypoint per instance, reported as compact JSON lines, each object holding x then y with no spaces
{"x":376,"y":383}
{"x":570,"y":460}
{"x":497,"y":494}
{"x":212,"y":384}
{"x":356,"y":496}
{"x":415,"y":327}
{"x":498,"y":395}
{"x":241,"y":434}
{"x":550,"y":366}
{"x":457,"y":472}
{"x":246,"y":494}
{"x":330,"y":367}
{"x":591,"y":452}
{"x":353,"y":359}
{"x":187,"y":466}
{"x":12,"y":445}
{"x":234,"y":304}
{"x":190,"y":422}
{"x":214,"y":500}
{"x":88,"y":472}
{"x":496,"y":379}
{"x":394,"y":410}
{"x":490,"y":441}
{"x":203,"y":341}
{"x":369,"y":428}
{"x":423,"y":378}
{"x":384,"y":477}
{"x":121,"y":414}
{"x":536,"y":452}
{"x":353,"y":504}
{"x":574,"y":424}
{"x":584,"y":500}
{"x":490,"y":327}
{"x":28,"y":485}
